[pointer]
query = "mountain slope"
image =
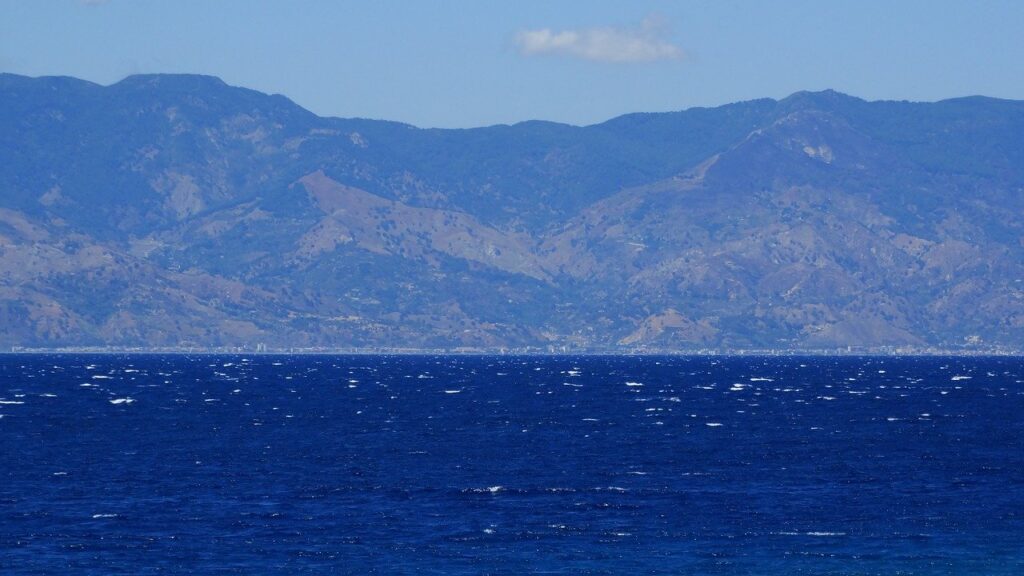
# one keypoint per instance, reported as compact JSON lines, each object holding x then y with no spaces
{"x":177,"y":211}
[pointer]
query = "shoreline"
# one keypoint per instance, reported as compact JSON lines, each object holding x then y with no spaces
{"x":523,"y":352}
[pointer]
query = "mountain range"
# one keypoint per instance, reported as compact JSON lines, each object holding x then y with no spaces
{"x":175,"y":211}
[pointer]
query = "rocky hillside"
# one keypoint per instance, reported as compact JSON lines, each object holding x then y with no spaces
{"x":177,"y":211}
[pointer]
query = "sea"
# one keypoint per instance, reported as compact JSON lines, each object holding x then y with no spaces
{"x":314,"y":464}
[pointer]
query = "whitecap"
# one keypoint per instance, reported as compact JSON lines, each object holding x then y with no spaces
{"x":633,"y":384}
{"x":713,"y":424}
{"x":11,"y":402}
{"x":452,"y":391}
{"x":958,"y":378}
{"x":122,"y":401}
{"x":488,"y":489}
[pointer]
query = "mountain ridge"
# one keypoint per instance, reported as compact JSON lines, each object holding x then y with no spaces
{"x":156,"y":78}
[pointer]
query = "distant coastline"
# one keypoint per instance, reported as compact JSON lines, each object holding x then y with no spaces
{"x":819,"y":223}
{"x":881,"y":351}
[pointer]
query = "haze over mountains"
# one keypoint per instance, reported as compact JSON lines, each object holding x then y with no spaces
{"x":177,"y":211}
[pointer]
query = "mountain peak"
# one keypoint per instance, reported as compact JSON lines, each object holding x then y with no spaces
{"x":171,"y":81}
{"x":823,"y":99}
{"x":12,"y":81}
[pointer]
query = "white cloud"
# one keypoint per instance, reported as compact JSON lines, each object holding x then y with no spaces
{"x":643,"y":43}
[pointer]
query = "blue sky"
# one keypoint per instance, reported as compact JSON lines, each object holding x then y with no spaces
{"x":467,"y":63}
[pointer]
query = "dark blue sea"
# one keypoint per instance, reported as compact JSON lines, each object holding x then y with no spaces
{"x":511,"y":465}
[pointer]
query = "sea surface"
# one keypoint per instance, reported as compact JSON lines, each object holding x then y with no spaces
{"x":150,"y":464}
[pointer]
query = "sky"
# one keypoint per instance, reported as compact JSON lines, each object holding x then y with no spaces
{"x":465,"y":63}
